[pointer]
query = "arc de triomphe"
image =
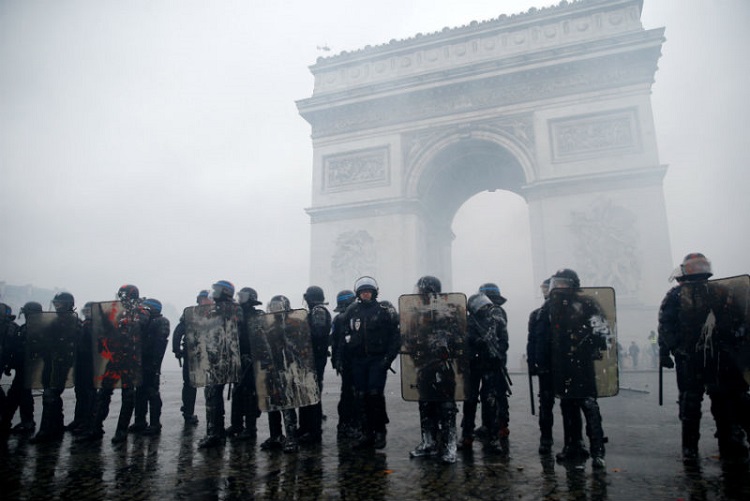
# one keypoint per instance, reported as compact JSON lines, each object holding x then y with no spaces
{"x":552,"y":104}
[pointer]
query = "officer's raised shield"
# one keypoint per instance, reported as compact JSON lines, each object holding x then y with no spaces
{"x":434,"y":361}
{"x":584,"y":342}
{"x":50,"y":350}
{"x":284,"y":363}
{"x":116,"y":338}
{"x":731,"y":307}
{"x":212,"y":343}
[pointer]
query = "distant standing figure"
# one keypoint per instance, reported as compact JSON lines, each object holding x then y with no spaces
{"x":634,"y":351}
{"x":653,"y":343}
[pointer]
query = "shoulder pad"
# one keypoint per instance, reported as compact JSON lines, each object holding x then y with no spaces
{"x":498,"y":316}
{"x":319,"y":316}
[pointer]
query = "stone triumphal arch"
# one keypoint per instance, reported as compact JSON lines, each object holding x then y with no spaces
{"x":552,"y":104}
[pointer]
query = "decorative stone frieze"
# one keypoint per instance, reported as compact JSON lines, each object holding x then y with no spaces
{"x":356,"y":170}
{"x":354,"y":256}
{"x":580,"y":137}
{"x":588,"y":75}
{"x":608,"y":247}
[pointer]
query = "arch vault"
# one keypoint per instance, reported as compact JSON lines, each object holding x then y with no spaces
{"x":552,"y":104}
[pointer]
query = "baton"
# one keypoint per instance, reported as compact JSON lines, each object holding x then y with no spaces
{"x":508,"y":380}
{"x":531,"y":393}
{"x":179,"y":361}
{"x":661,"y":388}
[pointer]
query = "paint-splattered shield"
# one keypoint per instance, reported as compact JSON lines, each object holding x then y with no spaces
{"x":116,"y":338}
{"x":212,"y":343}
{"x":584,"y":342}
{"x":730,"y":298}
{"x":434,"y":361}
{"x":284,"y":363}
{"x":50,"y":350}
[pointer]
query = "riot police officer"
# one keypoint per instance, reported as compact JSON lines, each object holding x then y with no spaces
{"x":8,"y":332}
{"x":129,"y":328}
{"x":341,"y":359}
{"x":84,"y":376}
{"x":223,"y":296}
{"x":435,"y":353}
{"x":374,"y":341}
{"x":147,"y":397}
{"x":488,"y":348}
{"x":19,"y":397}
{"x":319,"y":320}
{"x":245,"y":412}
{"x":539,"y":361}
{"x":58,"y":362}
{"x":583,"y":336}
{"x":189,"y":392}
{"x":702,"y":362}
{"x":276,"y":356}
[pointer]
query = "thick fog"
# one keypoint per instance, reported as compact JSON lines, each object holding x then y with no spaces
{"x":158,"y":142}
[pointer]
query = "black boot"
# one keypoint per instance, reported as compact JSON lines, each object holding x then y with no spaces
{"x":690,"y":438}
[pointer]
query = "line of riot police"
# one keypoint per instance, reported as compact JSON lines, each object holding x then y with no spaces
{"x":451,"y":349}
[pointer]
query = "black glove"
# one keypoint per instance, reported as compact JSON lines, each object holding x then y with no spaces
{"x":386,"y":364}
{"x":666,"y":361}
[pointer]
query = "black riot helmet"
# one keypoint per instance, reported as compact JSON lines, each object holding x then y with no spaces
{"x":492,"y":291}
{"x":30,"y":308}
{"x":314,"y":296}
{"x":223,"y":290}
{"x":153,"y":306}
{"x":343,"y":299}
{"x":366,"y":283}
{"x":248,"y":295}
{"x":695,"y":267}
{"x":63,"y":301}
{"x":429,"y":285}
{"x":478,"y":302}
{"x":86,"y":310}
{"x":204,"y":297}
{"x":278,"y":304}
{"x":565,"y":279}
{"x":128,"y":292}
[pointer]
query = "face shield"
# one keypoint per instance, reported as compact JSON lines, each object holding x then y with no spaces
{"x":561,"y":283}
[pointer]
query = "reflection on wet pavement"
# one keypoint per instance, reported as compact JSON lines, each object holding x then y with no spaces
{"x":643,"y":460}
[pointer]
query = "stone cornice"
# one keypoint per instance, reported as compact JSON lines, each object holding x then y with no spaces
{"x":364,"y":209}
{"x":595,"y":182}
{"x":537,"y":29}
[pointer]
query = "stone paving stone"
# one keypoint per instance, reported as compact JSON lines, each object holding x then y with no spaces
{"x":643,"y":459}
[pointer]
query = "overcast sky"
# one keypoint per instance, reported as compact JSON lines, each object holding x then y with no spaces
{"x":158,"y":142}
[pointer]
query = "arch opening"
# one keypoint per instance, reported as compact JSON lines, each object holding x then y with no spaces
{"x":456,"y":174}
{"x":492,"y":243}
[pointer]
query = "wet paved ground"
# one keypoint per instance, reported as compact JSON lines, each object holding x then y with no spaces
{"x":643,"y":459}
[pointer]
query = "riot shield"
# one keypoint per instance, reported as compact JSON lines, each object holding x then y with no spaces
{"x":212,"y":343}
{"x":116,"y":339}
{"x":434,"y":361}
{"x":584,"y":342}
{"x":282,"y":350}
{"x":731,"y":306}
{"x":50,"y":350}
